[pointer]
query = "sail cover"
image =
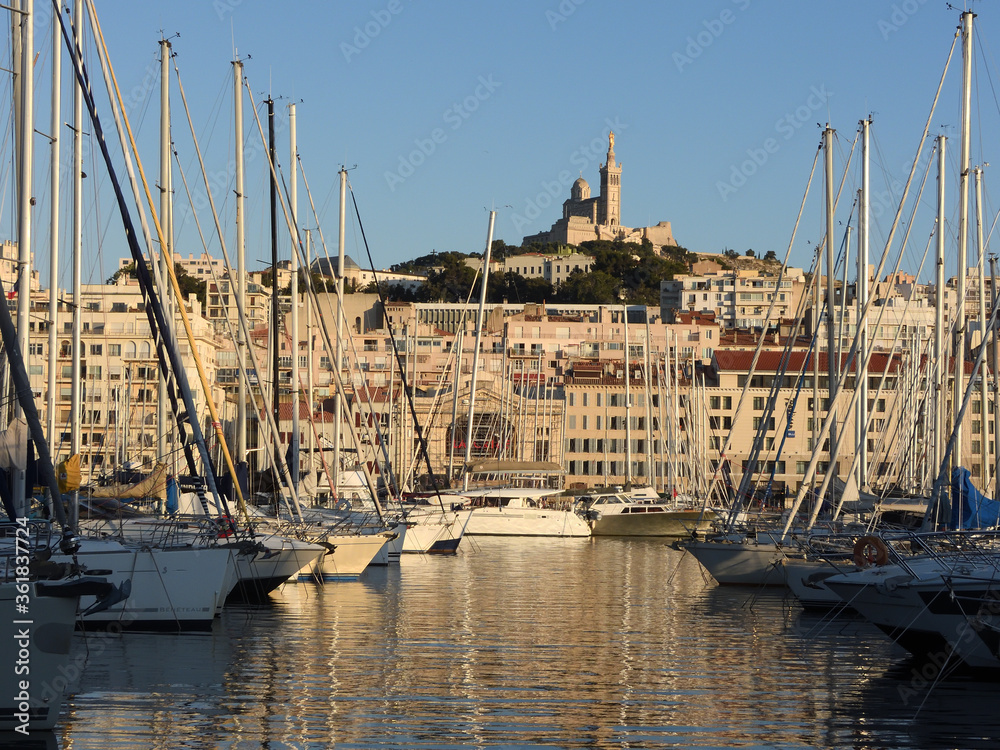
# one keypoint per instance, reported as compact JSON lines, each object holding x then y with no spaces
{"x":970,"y":508}
{"x":155,"y":485}
{"x":14,"y":446}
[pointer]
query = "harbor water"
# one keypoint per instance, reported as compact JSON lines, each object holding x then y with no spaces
{"x":555,"y":643}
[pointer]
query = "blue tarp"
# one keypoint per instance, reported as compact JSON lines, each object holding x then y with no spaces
{"x":171,"y":495}
{"x":970,"y":508}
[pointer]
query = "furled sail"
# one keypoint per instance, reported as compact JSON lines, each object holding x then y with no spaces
{"x":155,"y":485}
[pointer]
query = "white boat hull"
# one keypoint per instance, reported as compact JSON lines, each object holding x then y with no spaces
{"x":673,"y":523}
{"x":526,"y":522}
{"x":171,"y":589}
{"x":265,"y":571}
{"x":37,"y":646}
{"x":740,"y":563}
{"x":434,"y":532}
{"x":346,"y":558}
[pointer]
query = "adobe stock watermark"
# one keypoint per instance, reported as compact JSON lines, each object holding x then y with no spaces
{"x":552,"y":190}
{"x":224,"y":7}
{"x":221,"y":180}
{"x":562,"y":12}
{"x":454,"y":116}
{"x":786,"y":127}
{"x":937,"y":665}
{"x":713,"y":29}
{"x":901,"y":13}
{"x":365,"y":33}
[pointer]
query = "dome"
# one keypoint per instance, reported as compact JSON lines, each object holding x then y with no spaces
{"x":580,"y":190}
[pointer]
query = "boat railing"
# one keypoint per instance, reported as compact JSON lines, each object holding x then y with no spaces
{"x":32,"y":539}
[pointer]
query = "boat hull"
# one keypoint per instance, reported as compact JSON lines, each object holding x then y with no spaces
{"x":671,"y":523}
{"x":346,"y":558}
{"x":435,"y":533}
{"x":170,"y":589}
{"x":280,"y":560}
{"x":526,"y":522}
{"x":29,"y":698}
{"x":740,"y":563}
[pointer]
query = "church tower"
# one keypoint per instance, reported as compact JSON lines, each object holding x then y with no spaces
{"x":609,"y":204}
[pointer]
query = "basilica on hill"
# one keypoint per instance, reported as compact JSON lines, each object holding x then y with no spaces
{"x":585,"y":218}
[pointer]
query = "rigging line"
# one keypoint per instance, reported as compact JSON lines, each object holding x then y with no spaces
{"x":863,"y":366}
{"x":828,"y":421}
{"x":746,"y":480}
{"x":154,"y":311}
{"x":378,"y":431}
{"x":454,"y":360}
{"x":216,"y":421}
{"x":889,"y":358}
{"x":409,"y":397}
{"x":716,"y":476}
{"x":979,"y":111}
{"x":293,"y":231}
{"x":276,"y":461}
{"x":319,"y":227}
{"x":216,"y":108}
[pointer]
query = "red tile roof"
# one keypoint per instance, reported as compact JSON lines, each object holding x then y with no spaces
{"x":732,"y":360}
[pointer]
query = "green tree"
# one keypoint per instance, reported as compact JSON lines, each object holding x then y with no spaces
{"x":451,"y":284}
{"x":434,"y":259}
{"x":128,"y":271}
{"x":589,"y":288}
{"x":189,"y":284}
{"x":516,"y":288}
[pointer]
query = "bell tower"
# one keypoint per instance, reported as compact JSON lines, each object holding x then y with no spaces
{"x":609,"y":204}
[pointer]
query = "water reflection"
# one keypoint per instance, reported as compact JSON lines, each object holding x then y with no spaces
{"x":518,"y":643}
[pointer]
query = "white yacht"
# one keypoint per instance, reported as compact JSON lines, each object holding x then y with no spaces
{"x":618,"y":514}
{"x":519,"y":511}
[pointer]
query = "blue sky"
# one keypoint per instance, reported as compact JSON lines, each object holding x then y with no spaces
{"x":449,"y":108}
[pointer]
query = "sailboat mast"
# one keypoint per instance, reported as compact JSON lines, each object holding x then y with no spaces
{"x":628,"y":400}
{"x":74,"y":434}
{"x":241,"y":271}
{"x":275,"y":307}
{"x":293,"y":207}
{"x":54,"y":127}
{"x":475,"y":351}
{"x":310,"y":442}
{"x":24,"y":197}
{"x":166,"y":252}
{"x":984,"y":374}
{"x":994,"y":293}
{"x":862,"y":292}
{"x":963,"y":232}
{"x":831,"y":265}
{"x":338,"y":405}
{"x":650,"y":454}
{"x":454,"y":402}
{"x":940,"y":365}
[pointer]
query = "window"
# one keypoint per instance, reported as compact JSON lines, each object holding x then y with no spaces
{"x":758,"y":403}
{"x":96,"y":349}
{"x":758,"y":420}
{"x":114,"y":350}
